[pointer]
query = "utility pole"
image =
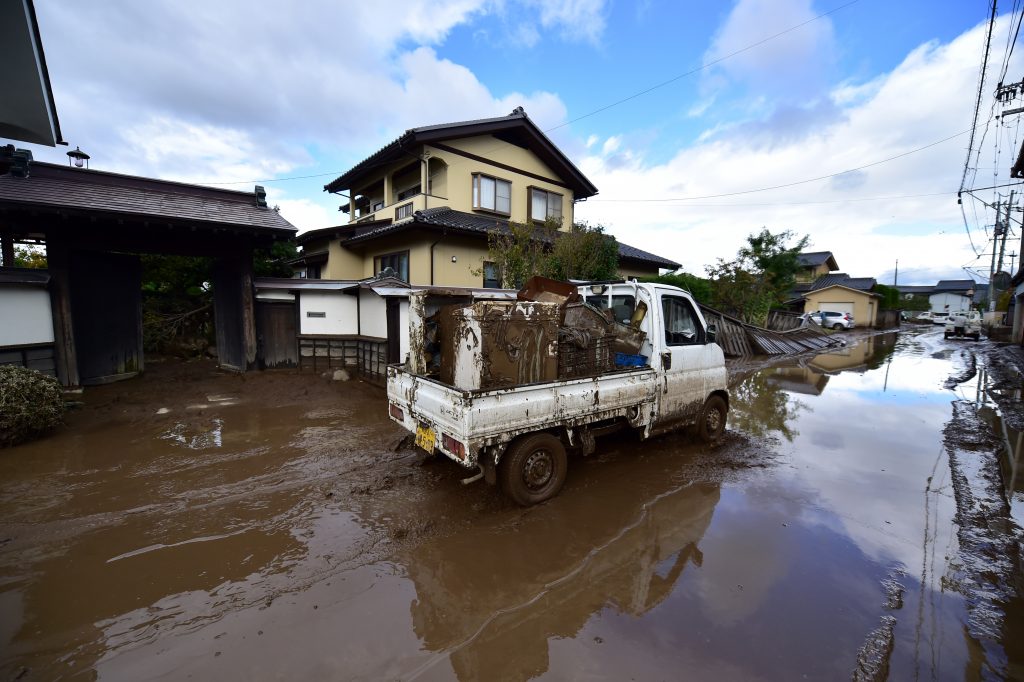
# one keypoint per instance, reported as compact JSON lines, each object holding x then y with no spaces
{"x":896,"y":274}
{"x":1006,"y":231}
{"x":992,"y":269}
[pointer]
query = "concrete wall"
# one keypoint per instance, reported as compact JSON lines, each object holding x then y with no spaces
{"x":340,"y":309}
{"x":26,"y":317}
{"x":865,"y":306}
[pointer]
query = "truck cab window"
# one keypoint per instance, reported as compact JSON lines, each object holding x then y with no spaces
{"x":681,"y":325}
{"x":621,"y":305}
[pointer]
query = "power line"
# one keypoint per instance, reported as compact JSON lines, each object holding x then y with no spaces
{"x":783,"y":203}
{"x":702,"y":67}
{"x":600,"y":109}
{"x":804,"y":182}
{"x":981,"y":89}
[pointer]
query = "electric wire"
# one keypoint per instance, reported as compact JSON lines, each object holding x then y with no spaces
{"x":602,"y":108}
{"x":977,"y":101}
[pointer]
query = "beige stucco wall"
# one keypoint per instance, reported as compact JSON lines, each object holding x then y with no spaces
{"x":638,"y":272}
{"x":451,"y":179}
{"x":865,"y":306}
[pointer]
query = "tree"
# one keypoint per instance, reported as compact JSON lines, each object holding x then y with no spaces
{"x":760,"y":277}
{"x":698,"y":287}
{"x":583,"y":252}
{"x":29,"y":257}
{"x":890,"y":297}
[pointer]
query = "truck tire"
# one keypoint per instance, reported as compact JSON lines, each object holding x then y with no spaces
{"x":533,"y":469}
{"x":712,"y":419}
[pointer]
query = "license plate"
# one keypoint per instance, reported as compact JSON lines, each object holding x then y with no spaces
{"x":425,"y":438}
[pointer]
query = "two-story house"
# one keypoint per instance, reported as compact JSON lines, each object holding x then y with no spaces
{"x":424,"y":205}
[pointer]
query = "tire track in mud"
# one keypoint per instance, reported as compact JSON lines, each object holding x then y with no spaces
{"x":985,"y":569}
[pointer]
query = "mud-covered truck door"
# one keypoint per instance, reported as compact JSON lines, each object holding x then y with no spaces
{"x":688,"y":360}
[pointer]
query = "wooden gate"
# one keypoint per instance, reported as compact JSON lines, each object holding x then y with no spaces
{"x":276,"y":339}
{"x":106,"y":313}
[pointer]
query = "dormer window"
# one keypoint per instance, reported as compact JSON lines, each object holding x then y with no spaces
{"x":492,"y":194}
{"x":544,"y":205}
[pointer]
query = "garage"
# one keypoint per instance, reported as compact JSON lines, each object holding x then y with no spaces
{"x":845,"y":307}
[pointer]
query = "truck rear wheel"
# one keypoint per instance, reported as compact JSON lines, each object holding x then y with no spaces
{"x":712,"y":419}
{"x":533,"y":469}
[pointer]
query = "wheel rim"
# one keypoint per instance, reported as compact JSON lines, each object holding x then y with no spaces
{"x":713,"y":421}
{"x":538,"y":469}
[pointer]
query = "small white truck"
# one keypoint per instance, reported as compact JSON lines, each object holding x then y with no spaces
{"x":517,"y":435}
{"x":965,"y":323}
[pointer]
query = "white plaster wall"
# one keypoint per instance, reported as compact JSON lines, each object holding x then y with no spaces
{"x":340,"y":308}
{"x":274,"y":295}
{"x":956,"y":302}
{"x":25,"y":316}
{"x":403,"y":330}
{"x":373,"y":319}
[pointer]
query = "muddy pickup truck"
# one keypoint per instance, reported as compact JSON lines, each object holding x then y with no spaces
{"x":516,"y":431}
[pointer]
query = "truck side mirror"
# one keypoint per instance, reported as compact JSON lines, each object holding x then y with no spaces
{"x":712,"y":333}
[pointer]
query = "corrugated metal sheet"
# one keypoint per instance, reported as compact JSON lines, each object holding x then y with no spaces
{"x":739,"y":339}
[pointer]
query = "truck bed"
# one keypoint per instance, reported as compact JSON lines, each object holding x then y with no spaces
{"x":479,"y":419}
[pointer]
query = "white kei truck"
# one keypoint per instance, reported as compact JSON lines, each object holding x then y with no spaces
{"x":518,"y":435}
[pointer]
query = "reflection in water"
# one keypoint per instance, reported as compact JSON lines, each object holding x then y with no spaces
{"x":492,"y":604}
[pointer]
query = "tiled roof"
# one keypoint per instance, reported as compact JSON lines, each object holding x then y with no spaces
{"x":844,"y":280}
{"x":954,"y":285}
{"x":531,"y":135}
{"x":471,"y":223}
{"x":813,"y":258}
{"x":63,"y":188}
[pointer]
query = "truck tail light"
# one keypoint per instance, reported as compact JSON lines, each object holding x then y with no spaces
{"x":453,"y":446}
{"x":396,"y":412}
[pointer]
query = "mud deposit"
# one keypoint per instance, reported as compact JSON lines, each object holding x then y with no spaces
{"x":198,"y":525}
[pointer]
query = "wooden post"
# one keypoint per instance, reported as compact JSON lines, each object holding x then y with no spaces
{"x":248,"y":309}
{"x":7,"y":249}
{"x":65,"y":355}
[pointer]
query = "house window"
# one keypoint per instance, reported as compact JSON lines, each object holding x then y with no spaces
{"x":544,"y":205}
{"x":378,"y":206}
{"x":681,"y":326}
{"x":397,"y":262}
{"x":492,"y":194}
{"x":403,"y":211}
{"x":406,"y":193}
{"x":492,"y":275}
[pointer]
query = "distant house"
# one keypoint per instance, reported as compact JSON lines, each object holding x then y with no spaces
{"x":422,"y":206}
{"x":952,"y":295}
{"x":844,"y":294}
{"x":814,"y":264}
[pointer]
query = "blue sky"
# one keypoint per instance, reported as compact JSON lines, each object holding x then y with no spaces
{"x":225,"y":93}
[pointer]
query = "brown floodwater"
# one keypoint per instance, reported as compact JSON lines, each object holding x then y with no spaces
{"x":198,"y":525}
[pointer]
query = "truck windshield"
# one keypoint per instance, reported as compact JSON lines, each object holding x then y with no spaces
{"x":622,"y":305}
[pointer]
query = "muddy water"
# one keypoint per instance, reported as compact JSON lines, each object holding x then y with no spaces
{"x":192,"y":524}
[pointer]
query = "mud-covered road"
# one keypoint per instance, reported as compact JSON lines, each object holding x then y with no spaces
{"x":852,"y":525}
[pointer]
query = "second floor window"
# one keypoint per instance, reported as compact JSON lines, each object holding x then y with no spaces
{"x":545,"y":205}
{"x":398,"y":263}
{"x":492,"y":194}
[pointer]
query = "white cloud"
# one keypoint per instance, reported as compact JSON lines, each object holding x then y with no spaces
{"x":919,"y":102}
{"x":579,"y":20}
{"x":794,"y":66}
{"x":220,"y":91}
